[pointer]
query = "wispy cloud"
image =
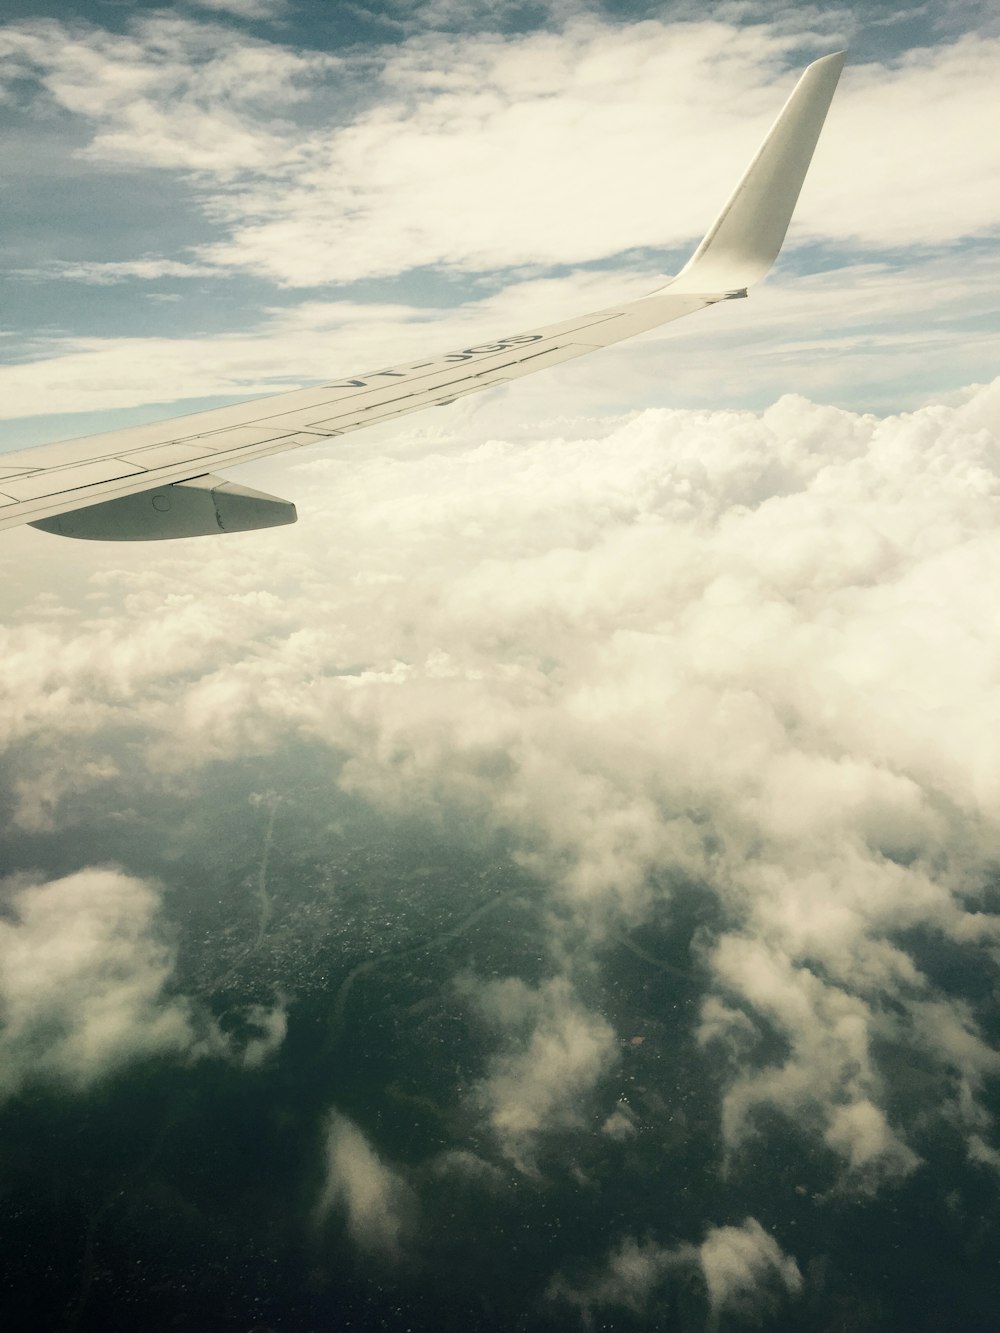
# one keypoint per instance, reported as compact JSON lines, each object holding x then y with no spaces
{"x":744,"y":1270}
{"x":244,"y":9}
{"x":553,"y":1052}
{"x":101,"y":273}
{"x":446,"y":130}
{"x":172,"y":92}
{"x":373,"y":1198}
{"x":880,"y":326}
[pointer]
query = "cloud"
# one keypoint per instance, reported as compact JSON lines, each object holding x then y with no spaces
{"x":468,"y":1168}
{"x":244,"y":9}
{"x":554,"y":1053}
{"x":86,"y":967}
{"x":620,"y":1124}
{"x":744,"y":1267}
{"x":170,"y":92}
{"x":746,"y":651}
{"x":982,"y":1153}
{"x":473,"y":118}
{"x":829,"y":1075}
{"x":406,"y":160}
{"x":418,"y":166}
{"x":150,"y":269}
{"x":375,"y":1201}
{"x":631,"y":1274}
{"x":742,"y":655}
{"x":272,"y":1025}
{"x":288,"y":348}
{"x":83,"y":982}
{"x":862,"y":355}
{"x":482,"y":15}
{"x":951,"y":79}
{"x":744,"y":1270}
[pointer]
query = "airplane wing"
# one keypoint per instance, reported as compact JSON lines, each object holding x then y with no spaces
{"x":159,"y":480}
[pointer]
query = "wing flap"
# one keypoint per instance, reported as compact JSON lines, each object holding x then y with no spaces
{"x":201,"y":507}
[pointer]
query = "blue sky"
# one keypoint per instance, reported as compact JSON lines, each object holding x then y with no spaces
{"x":216,"y":200}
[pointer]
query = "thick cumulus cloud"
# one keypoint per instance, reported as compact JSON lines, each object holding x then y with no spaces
{"x":744,"y":1271}
{"x":370,"y":1195}
{"x":82,"y":982}
{"x":749,"y":651}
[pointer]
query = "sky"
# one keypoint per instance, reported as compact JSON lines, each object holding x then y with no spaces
{"x":553,"y":885}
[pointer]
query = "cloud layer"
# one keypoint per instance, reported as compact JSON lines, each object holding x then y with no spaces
{"x":749,"y":649}
{"x":445,"y":161}
{"x":463,"y":118}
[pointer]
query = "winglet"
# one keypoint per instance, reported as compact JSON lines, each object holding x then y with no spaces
{"x":744,"y":240}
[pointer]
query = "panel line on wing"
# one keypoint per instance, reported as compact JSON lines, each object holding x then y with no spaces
{"x":55,"y":482}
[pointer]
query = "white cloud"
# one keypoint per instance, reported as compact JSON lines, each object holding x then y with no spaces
{"x":466,"y":1166}
{"x":272,"y":1025}
{"x":85,"y":973}
{"x":83,"y":982}
{"x":982,"y":1153}
{"x":554,"y":1053}
{"x":743,"y":1266}
{"x":472,"y":123}
{"x":463,"y":150}
{"x":620,"y":1124}
{"x":901,"y":125}
{"x":426,"y":143}
{"x":375,"y":1201}
{"x":632,"y":1273}
{"x":111,"y":271}
{"x":829,"y":1076}
{"x":753,"y":650}
{"x":244,"y":9}
{"x":745,"y":1272}
{"x":750,"y":650}
{"x":488,"y":15}
{"x":859,"y":1132}
{"x":171,"y":92}
{"x":860,"y":355}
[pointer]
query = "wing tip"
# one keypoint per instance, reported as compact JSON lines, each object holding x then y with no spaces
{"x":743,"y":243}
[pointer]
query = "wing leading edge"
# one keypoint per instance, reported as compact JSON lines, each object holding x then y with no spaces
{"x":153,"y":481}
